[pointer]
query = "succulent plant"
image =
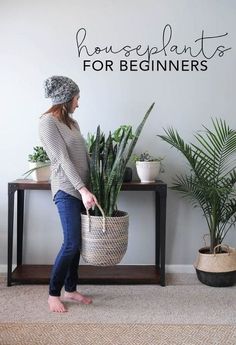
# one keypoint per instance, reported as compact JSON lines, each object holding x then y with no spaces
{"x":145,"y":157}
{"x":38,"y":155}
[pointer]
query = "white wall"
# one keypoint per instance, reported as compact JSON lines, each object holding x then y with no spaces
{"x":38,"y":40}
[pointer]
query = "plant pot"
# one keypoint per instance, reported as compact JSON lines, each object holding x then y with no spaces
{"x":148,"y":171}
{"x":104,"y":239}
{"x":41,"y":172}
{"x":128,"y":175}
{"x":217,"y":269}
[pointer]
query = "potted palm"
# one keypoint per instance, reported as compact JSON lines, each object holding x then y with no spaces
{"x":39,"y":165}
{"x":105,"y":229}
{"x":210,"y":185}
{"x":147,"y":166}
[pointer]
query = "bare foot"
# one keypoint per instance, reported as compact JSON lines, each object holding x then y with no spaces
{"x":56,"y":305}
{"x":77,"y":297}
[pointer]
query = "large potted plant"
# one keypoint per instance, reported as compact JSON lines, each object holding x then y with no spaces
{"x":105,"y":229}
{"x":116,"y":137}
{"x":210,"y":185}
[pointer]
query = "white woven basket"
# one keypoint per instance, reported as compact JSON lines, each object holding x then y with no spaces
{"x":104,"y":239}
{"x":223,"y":262}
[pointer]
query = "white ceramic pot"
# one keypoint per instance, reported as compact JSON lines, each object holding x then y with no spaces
{"x":42,"y":171}
{"x":148,"y":171}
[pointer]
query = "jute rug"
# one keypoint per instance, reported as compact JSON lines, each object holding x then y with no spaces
{"x":116,"y":334}
{"x":187,"y":303}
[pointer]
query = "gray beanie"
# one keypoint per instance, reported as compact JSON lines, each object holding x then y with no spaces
{"x":60,"y":89}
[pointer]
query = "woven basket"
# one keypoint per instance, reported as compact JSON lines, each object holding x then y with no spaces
{"x":223,"y":262}
{"x":104,"y":239}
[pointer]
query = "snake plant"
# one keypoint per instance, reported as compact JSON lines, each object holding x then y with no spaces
{"x":210,"y":184}
{"x":109,"y":157}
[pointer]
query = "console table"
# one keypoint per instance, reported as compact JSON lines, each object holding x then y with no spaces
{"x":120,"y":274}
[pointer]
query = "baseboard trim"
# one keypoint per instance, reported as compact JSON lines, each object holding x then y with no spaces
{"x":169,"y":269}
{"x":180,"y":269}
{"x":3,"y":270}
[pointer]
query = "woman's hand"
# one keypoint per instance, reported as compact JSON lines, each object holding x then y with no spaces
{"x":89,"y":200}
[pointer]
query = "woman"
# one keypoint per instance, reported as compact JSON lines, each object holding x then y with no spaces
{"x":60,"y":135}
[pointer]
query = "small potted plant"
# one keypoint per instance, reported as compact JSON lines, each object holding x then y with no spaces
{"x":210,"y":185}
{"x":148,"y":167}
{"x":39,"y":165}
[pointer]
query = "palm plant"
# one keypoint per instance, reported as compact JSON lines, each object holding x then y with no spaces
{"x":109,"y":157}
{"x":210,"y":184}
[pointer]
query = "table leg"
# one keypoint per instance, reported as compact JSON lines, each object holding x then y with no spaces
{"x":11,"y":194}
{"x":157,"y":229}
{"x":20,"y":221}
{"x":162,"y":210}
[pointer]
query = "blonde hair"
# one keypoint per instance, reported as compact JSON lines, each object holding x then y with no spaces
{"x":61,"y":112}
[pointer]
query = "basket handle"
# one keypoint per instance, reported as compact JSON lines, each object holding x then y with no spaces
{"x":222,"y":245}
{"x":103,"y":217}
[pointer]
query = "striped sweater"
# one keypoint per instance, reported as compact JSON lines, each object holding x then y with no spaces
{"x":68,"y":154}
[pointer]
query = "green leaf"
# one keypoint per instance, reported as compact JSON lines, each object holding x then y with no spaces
{"x":210,"y":184}
{"x":109,"y":158}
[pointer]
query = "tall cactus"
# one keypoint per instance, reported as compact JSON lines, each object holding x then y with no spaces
{"x":108,"y":163}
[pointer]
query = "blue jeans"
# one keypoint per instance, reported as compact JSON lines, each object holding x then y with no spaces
{"x":65,"y":269}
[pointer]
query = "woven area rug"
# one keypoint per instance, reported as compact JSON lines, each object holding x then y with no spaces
{"x":185,"y":312}
{"x":187,"y":303}
{"x":116,"y":334}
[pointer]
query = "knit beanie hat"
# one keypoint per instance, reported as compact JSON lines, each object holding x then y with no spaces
{"x":60,"y":89}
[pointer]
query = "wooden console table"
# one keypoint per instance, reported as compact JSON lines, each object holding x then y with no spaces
{"x":120,"y":274}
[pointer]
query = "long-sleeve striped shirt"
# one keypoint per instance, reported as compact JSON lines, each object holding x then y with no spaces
{"x":68,"y":154}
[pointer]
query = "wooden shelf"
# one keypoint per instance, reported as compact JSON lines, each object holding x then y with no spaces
{"x":121,"y":274}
